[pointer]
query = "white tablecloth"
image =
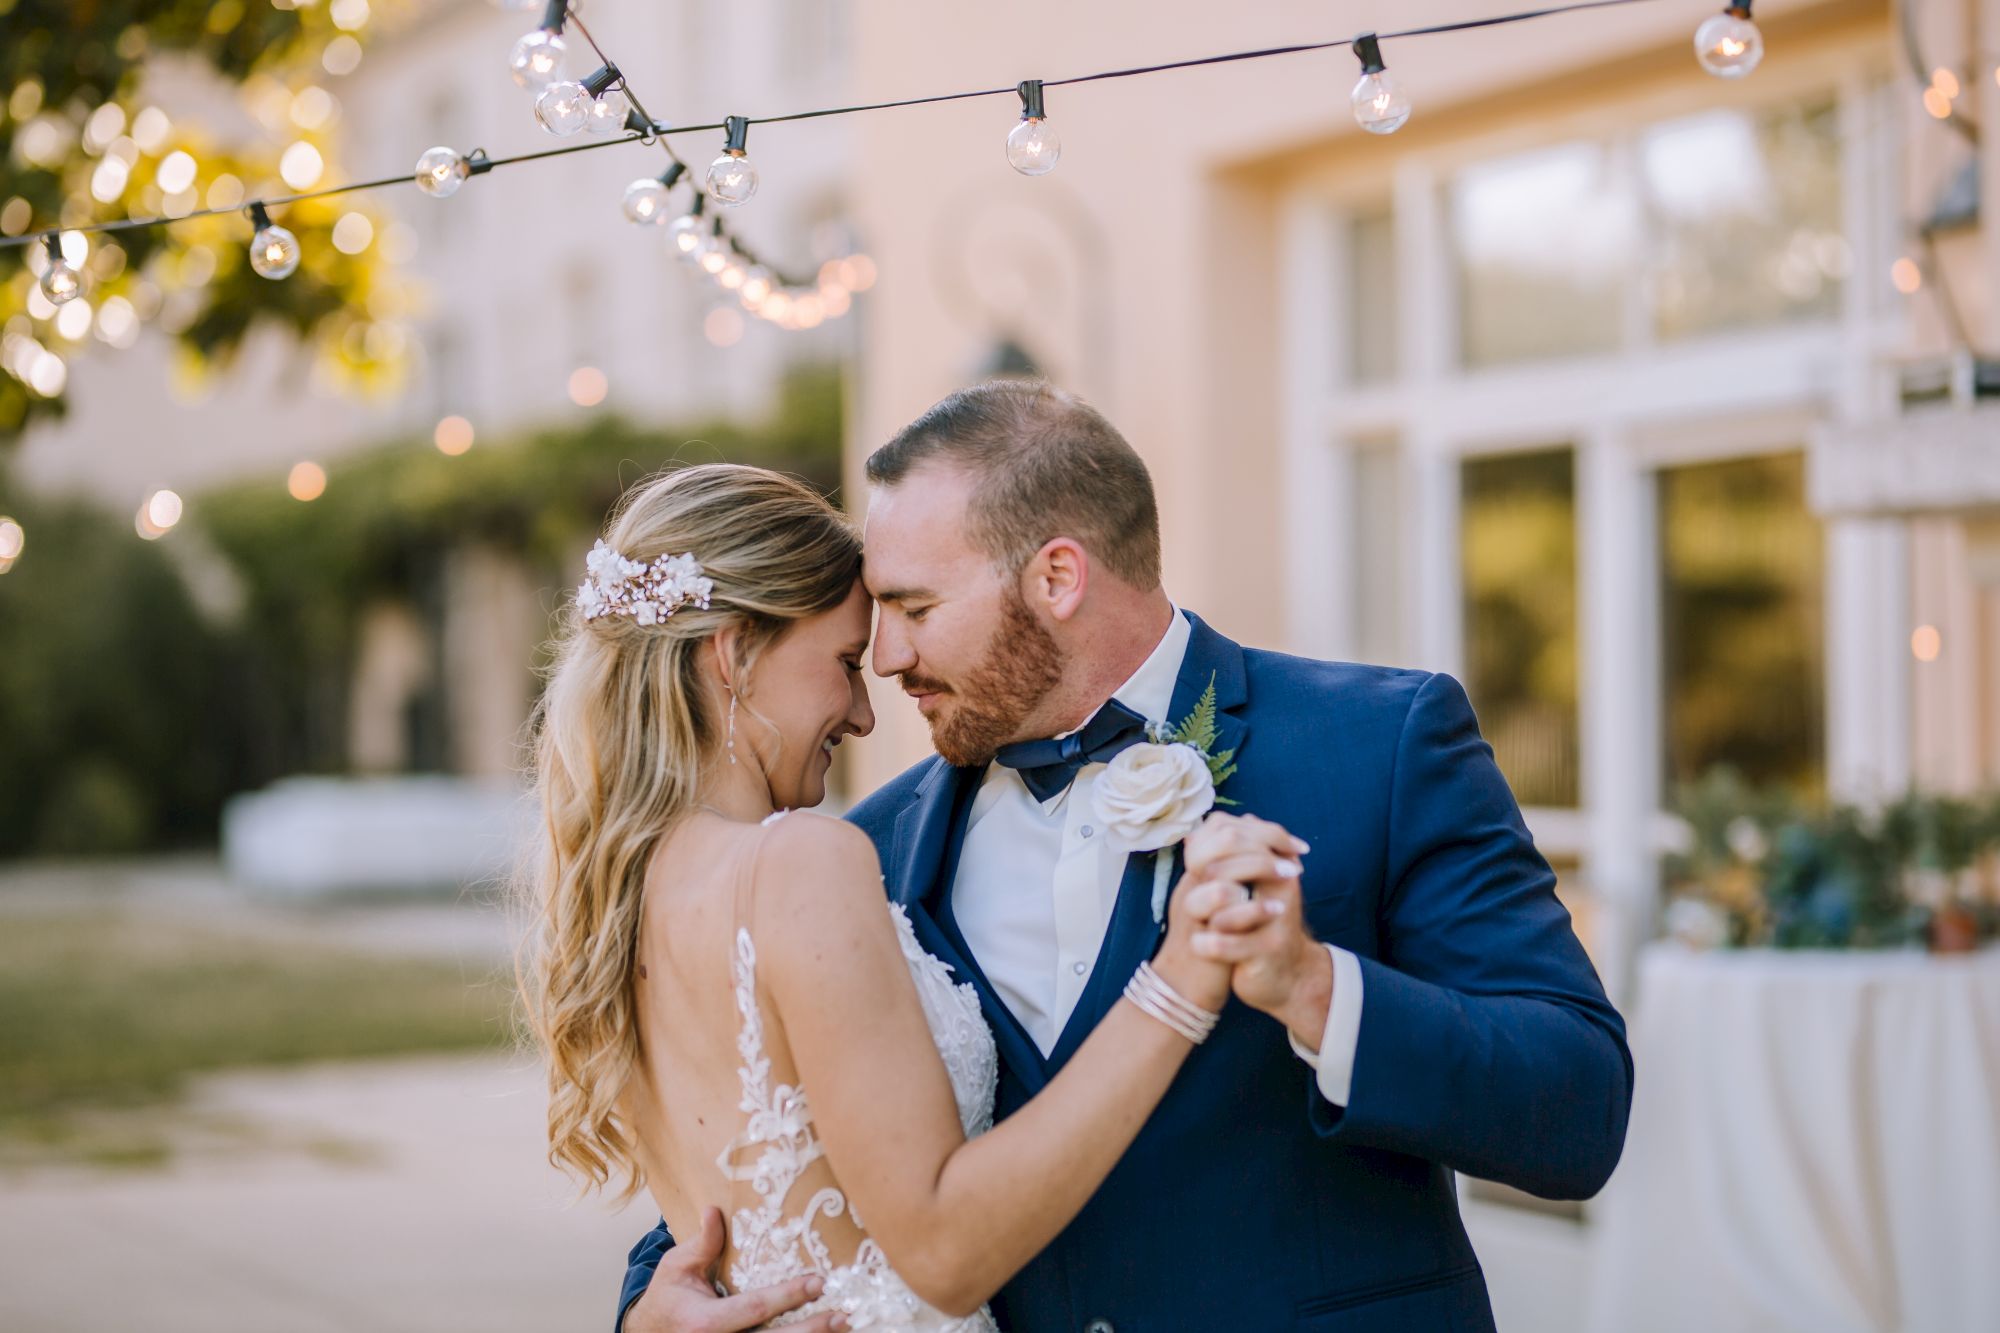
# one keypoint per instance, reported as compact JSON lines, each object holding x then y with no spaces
{"x":1815,"y":1147}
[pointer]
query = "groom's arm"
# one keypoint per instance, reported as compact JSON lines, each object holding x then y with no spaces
{"x":1487,"y":1042}
{"x":640,"y":1265}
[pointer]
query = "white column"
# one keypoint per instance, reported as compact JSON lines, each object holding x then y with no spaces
{"x":1430,"y":459}
{"x":1319,"y":548}
{"x":1868,"y":662}
{"x":1618,"y":635}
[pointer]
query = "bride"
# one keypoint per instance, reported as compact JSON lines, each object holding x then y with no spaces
{"x":731,"y":1013}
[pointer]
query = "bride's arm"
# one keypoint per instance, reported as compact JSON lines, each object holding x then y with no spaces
{"x":955,"y":1218}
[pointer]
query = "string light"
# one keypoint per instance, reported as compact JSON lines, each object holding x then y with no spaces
{"x":537,"y":59}
{"x":1728,"y":44}
{"x":440,"y":171}
{"x":13,"y":541}
{"x":713,"y":256}
{"x":1380,"y":107}
{"x":453,"y":436}
{"x":306,"y":482}
{"x":646,"y":198}
{"x":274,"y":252}
{"x":731,"y":179}
{"x":610,"y":107}
{"x":563,"y":107}
{"x":61,"y":282}
{"x":1033,"y":147}
{"x":685,"y":233}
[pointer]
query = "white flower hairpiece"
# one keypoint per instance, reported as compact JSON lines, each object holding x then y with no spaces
{"x":618,"y":586}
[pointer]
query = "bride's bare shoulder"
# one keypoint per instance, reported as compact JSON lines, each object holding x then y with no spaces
{"x":820,"y":846}
{"x":812,"y":868}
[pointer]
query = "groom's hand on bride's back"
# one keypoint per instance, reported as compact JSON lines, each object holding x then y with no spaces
{"x":682,"y":1298}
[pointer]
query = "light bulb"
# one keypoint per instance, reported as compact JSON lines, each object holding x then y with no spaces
{"x":608,"y":112}
{"x":733,"y":273}
{"x":757,"y":284}
{"x":563,"y":107}
{"x":685,"y":235}
{"x":731,"y":179}
{"x":646,"y":202}
{"x":1379,"y":105}
{"x":274,"y":252}
{"x":537,"y":59}
{"x":1033,"y":147}
{"x":440,"y":171}
{"x":1728,"y":44}
{"x":61,"y":283}
{"x":714,"y":256}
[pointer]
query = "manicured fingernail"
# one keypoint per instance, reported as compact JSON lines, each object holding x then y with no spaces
{"x":1273,"y":907}
{"x":1290,"y":870}
{"x":1301,"y":846}
{"x":815,"y":1287}
{"x":838,"y":1323}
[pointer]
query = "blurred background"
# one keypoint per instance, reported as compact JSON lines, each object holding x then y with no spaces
{"x":1662,"y":409}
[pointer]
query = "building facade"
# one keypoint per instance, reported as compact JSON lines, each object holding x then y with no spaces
{"x":1551,"y":389}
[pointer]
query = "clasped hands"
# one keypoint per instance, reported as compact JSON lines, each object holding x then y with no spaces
{"x":1242,"y":886}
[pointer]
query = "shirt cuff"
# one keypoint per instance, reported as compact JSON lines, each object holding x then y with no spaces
{"x":1334,"y":1060}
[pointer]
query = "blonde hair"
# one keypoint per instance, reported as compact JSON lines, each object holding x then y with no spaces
{"x":622,"y":736}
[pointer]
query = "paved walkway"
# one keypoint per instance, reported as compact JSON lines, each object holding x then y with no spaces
{"x":386,"y":1198}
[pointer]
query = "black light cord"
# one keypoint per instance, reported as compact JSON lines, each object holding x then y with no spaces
{"x":659,"y":132}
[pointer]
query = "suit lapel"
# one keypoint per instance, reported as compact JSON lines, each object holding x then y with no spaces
{"x":1133,"y":936}
{"x":929,"y":835}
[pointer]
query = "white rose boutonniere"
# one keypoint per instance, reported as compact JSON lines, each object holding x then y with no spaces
{"x":1153,"y":795}
{"x":1156,"y":792}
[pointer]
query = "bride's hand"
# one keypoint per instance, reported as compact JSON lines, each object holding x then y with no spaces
{"x":1224,"y":856}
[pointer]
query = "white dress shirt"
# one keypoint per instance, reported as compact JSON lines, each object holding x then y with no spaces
{"x":1037,"y":882}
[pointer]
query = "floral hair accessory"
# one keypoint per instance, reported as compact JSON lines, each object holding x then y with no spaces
{"x":649,"y":594}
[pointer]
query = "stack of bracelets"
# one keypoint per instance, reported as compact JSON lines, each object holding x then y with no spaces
{"x":1154,"y":996}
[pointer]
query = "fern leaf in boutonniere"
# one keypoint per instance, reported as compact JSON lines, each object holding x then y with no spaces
{"x":1197,"y":731}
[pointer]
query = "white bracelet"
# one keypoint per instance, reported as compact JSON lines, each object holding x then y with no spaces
{"x":1151,"y":995}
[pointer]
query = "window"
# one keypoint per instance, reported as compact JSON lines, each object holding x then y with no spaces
{"x":1372,"y":328}
{"x":1723,"y":220}
{"x":1517,"y":544}
{"x":1543,"y":244}
{"x":1740,"y":559}
{"x":1744,"y":219}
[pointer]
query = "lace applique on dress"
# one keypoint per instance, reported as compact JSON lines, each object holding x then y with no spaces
{"x":773,"y":1245}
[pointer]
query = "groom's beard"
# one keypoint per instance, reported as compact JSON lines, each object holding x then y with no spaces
{"x":986,"y":710}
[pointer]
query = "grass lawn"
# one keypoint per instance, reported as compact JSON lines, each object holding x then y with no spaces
{"x":101,"y":1010}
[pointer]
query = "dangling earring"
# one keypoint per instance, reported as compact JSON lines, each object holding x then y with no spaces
{"x":732,"y":724}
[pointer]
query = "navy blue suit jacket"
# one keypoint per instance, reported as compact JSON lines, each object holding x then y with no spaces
{"x":1486,"y":1046}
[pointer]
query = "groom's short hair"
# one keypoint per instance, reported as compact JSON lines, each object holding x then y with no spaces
{"x":1044,"y":464}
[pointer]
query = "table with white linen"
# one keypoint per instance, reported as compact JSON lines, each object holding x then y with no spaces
{"x":1814,"y":1147}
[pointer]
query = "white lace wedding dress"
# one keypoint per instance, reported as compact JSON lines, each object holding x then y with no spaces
{"x":775,"y":1238}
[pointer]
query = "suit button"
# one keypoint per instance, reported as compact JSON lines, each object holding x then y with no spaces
{"x":1099,"y":1326}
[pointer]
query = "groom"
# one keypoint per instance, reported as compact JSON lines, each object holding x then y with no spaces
{"x":1421,"y":1008}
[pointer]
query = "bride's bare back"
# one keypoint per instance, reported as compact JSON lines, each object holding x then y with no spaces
{"x":685,"y":1104}
{"x":733,"y":1118}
